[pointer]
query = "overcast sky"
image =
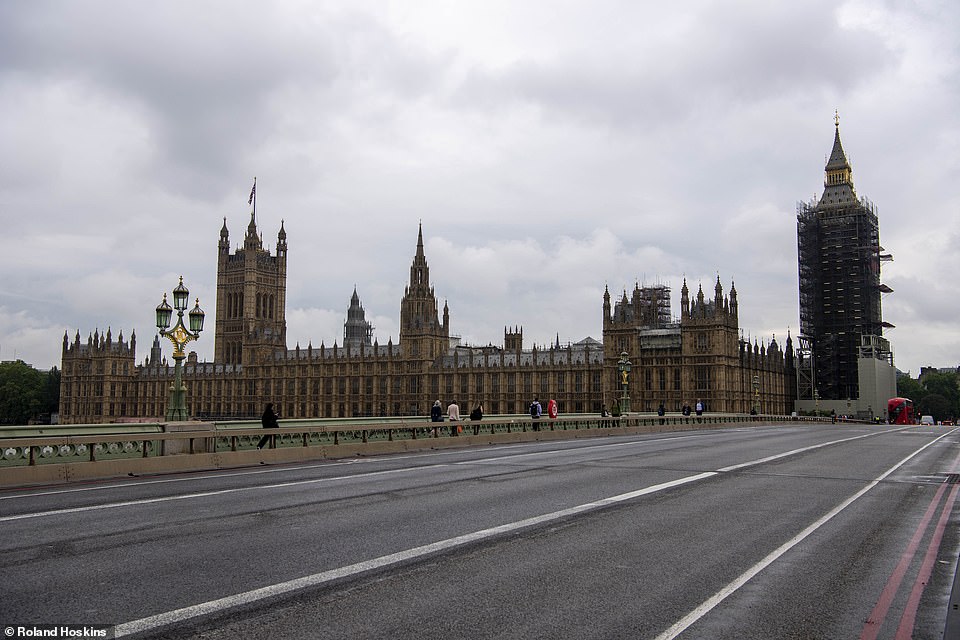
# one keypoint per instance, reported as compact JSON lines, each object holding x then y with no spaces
{"x":549,"y":149}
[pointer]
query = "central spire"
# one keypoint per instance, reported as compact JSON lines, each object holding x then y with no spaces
{"x":419,"y":271}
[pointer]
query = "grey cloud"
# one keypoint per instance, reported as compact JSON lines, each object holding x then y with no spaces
{"x":209,"y":78}
{"x":724,"y":57}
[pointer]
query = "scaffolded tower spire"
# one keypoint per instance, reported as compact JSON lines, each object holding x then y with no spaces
{"x":839,"y":253}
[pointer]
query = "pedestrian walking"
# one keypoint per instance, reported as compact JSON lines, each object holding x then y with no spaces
{"x":699,"y":409}
{"x":268,"y":421}
{"x":535,"y":412}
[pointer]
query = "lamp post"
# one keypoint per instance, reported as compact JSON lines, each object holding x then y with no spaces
{"x":179,"y":336}
{"x":623,"y":367}
{"x":816,"y":401}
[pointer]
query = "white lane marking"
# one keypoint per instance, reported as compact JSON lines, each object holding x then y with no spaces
{"x":204,"y":494}
{"x":318,"y":579}
{"x":778,"y":456}
{"x":292,"y":483}
{"x":283,"y":469}
{"x":324,"y":577}
{"x":578,"y":450}
{"x":141,"y":483}
{"x":707,"y":605}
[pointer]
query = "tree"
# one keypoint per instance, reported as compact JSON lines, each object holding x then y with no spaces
{"x":21,"y":388}
{"x":934,"y":404}
{"x":945,"y":385}
{"x":909,"y":388}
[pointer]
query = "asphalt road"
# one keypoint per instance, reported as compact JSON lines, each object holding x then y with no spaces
{"x":800,"y":531}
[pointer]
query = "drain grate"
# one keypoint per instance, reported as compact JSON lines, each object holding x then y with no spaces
{"x":952,"y":478}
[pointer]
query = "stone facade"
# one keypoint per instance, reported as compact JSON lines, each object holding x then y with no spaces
{"x":699,"y":356}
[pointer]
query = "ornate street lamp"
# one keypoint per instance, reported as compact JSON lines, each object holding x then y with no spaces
{"x":623,"y":367}
{"x":179,"y":336}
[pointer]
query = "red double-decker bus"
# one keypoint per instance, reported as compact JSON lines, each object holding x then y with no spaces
{"x":900,"y":411}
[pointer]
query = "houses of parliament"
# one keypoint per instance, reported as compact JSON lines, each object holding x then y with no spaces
{"x":675,"y":361}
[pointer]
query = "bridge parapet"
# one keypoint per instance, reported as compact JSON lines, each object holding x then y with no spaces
{"x":83,"y":453}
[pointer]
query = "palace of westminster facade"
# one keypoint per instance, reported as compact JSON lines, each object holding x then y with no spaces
{"x":700,"y":356}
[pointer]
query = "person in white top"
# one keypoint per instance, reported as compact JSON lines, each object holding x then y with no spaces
{"x":453,"y":415}
{"x":453,"y":411}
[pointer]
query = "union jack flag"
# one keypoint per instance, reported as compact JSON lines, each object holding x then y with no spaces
{"x":253,"y":192}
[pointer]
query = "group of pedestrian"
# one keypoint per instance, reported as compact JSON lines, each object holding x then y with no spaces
{"x":269,"y":418}
{"x":698,"y":408}
{"x":452,"y":415}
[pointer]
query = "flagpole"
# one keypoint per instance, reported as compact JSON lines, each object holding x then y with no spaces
{"x":253,"y":198}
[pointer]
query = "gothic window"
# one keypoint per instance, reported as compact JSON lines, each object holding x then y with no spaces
{"x":561,"y":382}
{"x":578,"y":382}
{"x":702,"y":377}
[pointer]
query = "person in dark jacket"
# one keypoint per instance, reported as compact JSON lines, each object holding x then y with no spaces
{"x":268,"y":421}
{"x":436,"y":412}
{"x":475,"y":416}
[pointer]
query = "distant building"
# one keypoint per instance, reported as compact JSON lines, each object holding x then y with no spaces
{"x":700,"y":356}
{"x":675,"y":362}
{"x":839,"y":257}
